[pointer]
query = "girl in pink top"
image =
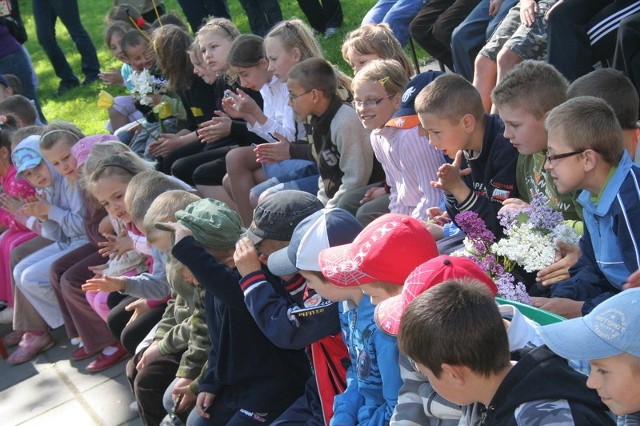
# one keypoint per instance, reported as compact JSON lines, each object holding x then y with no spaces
{"x":14,"y":191}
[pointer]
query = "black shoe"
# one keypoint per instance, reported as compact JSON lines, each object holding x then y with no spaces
{"x":65,"y":87}
{"x":88,"y":81}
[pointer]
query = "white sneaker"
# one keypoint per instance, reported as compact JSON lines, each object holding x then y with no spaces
{"x":134,"y":406}
{"x":331,"y":31}
{"x":6,"y":316}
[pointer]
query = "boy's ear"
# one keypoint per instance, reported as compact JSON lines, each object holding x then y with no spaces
{"x":591,"y":159}
{"x":456,"y":373}
{"x":468,"y":123}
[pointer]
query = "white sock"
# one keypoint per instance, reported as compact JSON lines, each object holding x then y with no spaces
{"x":109,"y":350}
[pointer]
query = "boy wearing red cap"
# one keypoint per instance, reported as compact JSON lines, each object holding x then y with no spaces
{"x":375,"y":265}
{"x":455,"y":335}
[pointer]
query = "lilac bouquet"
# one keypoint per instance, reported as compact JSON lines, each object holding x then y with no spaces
{"x":478,"y":243}
{"x":532,"y":234}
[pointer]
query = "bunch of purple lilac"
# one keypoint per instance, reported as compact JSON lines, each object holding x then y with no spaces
{"x":478,"y":242}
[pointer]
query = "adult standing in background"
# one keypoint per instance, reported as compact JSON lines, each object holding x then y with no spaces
{"x":197,"y":11}
{"x":14,"y":58}
{"x":45,"y":14}
{"x":325,"y":16}
{"x":262,"y":15}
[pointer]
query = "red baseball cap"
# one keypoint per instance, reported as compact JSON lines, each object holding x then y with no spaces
{"x":388,"y":249}
{"x":425,"y":276}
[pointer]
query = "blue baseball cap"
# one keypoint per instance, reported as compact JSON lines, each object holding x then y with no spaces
{"x":26,"y":157}
{"x":4,"y":81}
{"x":323,"y":229}
{"x":610,"y":329}
{"x":405,"y":117}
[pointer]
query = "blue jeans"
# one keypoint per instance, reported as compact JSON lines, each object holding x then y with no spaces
{"x":45,"y":14}
{"x":19,"y":64}
{"x":197,"y":11}
{"x":395,"y":13}
{"x":469,"y":37}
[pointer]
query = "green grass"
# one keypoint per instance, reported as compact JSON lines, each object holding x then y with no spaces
{"x":79,"y":105}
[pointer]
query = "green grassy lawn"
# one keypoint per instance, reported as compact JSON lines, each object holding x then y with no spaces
{"x":79,"y":105}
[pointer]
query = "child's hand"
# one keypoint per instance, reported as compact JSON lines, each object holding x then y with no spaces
{"x":165,"y":143}
{"x":179,"y":230}
{"x":450,"y":178}
{"x":514,"y":204}
{"x":204,"y":401}
{"x":494,"y":7}
{"x":10,"y":204}
{"x":105,"y":227}
{"x":373,"y":193}
{"x":116,"y":246}
{"x":111,"y":77}
{"x":156,"y":98}
{"x":436,"y":231}
{"x":97,"y":270}
{"x":243,"y":104}
{"x":40,"y":207}
{"x":215,"y":129}
{"x":138,"y":307}
{"x":182,"y":389}
{"x":150,"y":354}
{"x":566,"y":256}
{"x":246,"y":257}
{"x":438,"y":216}
{"x":107,"y":284}
{"x":633,"y":280}
{"x":567,"y":308}
{"x":273,"y":152}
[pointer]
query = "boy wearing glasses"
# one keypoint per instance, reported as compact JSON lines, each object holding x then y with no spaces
{"x":585,"y":152}
{"x":338,"y":142}
{"x":451,"y":111}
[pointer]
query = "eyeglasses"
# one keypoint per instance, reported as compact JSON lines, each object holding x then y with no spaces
{"x":370,"y":102}
{"x":552,"y":158}
{"x":293,"y":98}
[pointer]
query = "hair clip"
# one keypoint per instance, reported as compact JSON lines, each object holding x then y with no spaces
{"x":140,"y":22}
{"x":383,"y":81}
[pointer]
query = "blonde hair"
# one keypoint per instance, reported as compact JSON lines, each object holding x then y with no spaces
{"x":387,"y":72}
{"x":295,"y":34}
{"x":57,"y":131}
{"x":164,"y":208}
{"x":143,"y":189}
{"x":587,"y":122}
{"x":221,"y":27}
{"x":376,"y":39}
{"x":104,"y":150}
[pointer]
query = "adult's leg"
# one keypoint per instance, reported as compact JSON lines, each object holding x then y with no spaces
{"x":468,"y":37}
{"x":376,"y":14}
{"x":399,"y":17}
{"x":45,"y":20}
{"x":421,"y":28}
{"x":272,"y":12}
{"x":447,"y":22}
{"x":568,"y":46}
{"x":603,"y":28}
{"x":19,"y":65}
{"x":627,"y":45}
{"x":69,"y":14}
